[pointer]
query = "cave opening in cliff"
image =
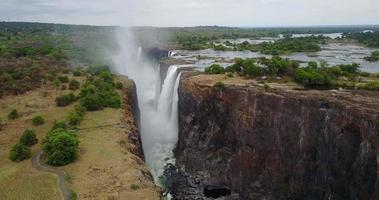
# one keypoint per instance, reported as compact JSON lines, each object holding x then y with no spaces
{"x":212,"y":192}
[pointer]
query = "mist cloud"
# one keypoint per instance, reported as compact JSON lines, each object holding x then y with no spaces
{"x":193,"y":12}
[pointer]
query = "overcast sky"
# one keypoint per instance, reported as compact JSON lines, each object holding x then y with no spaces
{"x":193,"y":12}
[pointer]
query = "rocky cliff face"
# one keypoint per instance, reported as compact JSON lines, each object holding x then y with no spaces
{"x":247,"y":142}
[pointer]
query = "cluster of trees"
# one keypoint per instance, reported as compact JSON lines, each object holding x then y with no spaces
{"x":251,"y":68}
{"x":65,"y":100}
{"x":314,"y":75}
{"x":19,"y":75}
{"x":21,"y":151}
{"x":373,"y":57}
{"x":99,"y":91}
{"x":369,"y":39}
{"x":325,"y":77}
{"x":284,"y":46}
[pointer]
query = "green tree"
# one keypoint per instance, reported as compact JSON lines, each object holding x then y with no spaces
{"x":74,"y":84}
{"x":61,"y":147}
{"x":19,"y":152}
{"x":28,"y":138}
{"x":13,"y":114}
{"x":65,"y":100}
{"x":215,"y":69}
{"x":38,"y":120}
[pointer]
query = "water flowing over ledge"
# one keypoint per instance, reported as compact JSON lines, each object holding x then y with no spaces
{"x":157,"y":100}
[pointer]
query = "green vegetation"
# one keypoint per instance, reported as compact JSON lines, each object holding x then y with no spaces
{"x":19,"y":152}
{"x":63,"y":79}
{"x":315,"y":75}
{"x":1,"y":124}
{"x":373,"y":57}
{"x":65,"y":100}
{"x":99,"y":92}
{"x":219,"y":85}
{"x":13,"y":114}
{"x":77,"y":73}
{"x":119,"y":85}
{"x":372,"y":85}
{"x":76,"y":116}
{"x":74,"y":85}
{"x":369,"y":39}
{"x":134,"y":187}
{"x":284,"y":46}
{"x":61,"y":147}
{"x":215,"y":69}
{"x":28,"y":138}
{"x":38,"y":120}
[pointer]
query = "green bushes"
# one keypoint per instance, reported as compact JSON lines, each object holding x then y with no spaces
{"x":310,"y":77}
{"x":61,"y":147}
{"x":13,"y":114}
{"x":373,"y":57}
{"x":19,"y":152}
{"x":134,"y":187}
{"x":1,"y":124}
{"x":119,"y":85}
{"x":99,"y":92}
{"x":63,"y":79}
{"x":220,"y":85}
{"x":76,"y":116}
{"x":77,"y":73}
{"x":28,"y":138}
{"x":74,"y":85}
{"x":215,"y":69}
{"x":38,"y":120}
{"x":65,"y":100}
{"x":372,"y":85}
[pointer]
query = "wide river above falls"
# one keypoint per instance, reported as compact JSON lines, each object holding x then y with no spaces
{"x":334,"y":53}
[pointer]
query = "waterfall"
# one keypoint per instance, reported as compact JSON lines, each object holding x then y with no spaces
{"x":157,"y":100}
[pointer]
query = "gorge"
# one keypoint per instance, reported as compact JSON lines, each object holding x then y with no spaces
{"x":247,"y":140}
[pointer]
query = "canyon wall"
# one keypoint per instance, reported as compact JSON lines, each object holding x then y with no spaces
{"x":244,"y":141}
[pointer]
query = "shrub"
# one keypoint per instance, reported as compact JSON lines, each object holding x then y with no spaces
{"x":1,"y":124}
{"x":77,"y":73}
{"x":65,"y":100}
{"x":19,"y":152}
{"x":63,"y":79}
{"x":38,"y":120}
{"x":28,"y":138}
{"x":119,"y":85}
{"x":74,"y":85}
{"x":134,"y":187}
{"x":76,"y":116}
{"x":252,"y":70}
{"x":56,"y":83}
{"x":214,"y":69}
{"x":92,"y":102}
{"x":61,"y":147}
{"x":13,"y":114}
{"x":372,"y":85}
{"x":59,"y":125}
{"x":219,"y":85}
{"x":311,"y":77}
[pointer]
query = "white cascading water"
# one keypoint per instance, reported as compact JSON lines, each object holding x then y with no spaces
{"x":158,"y":103}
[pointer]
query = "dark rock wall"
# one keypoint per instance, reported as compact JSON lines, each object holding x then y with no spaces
{"x":274,"y":145}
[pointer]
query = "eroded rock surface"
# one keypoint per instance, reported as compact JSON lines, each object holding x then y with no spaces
{"x":248,"y":142}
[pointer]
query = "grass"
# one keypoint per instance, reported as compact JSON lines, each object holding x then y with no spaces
{"x":19,"y":180}
{"x":105,"y":164}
